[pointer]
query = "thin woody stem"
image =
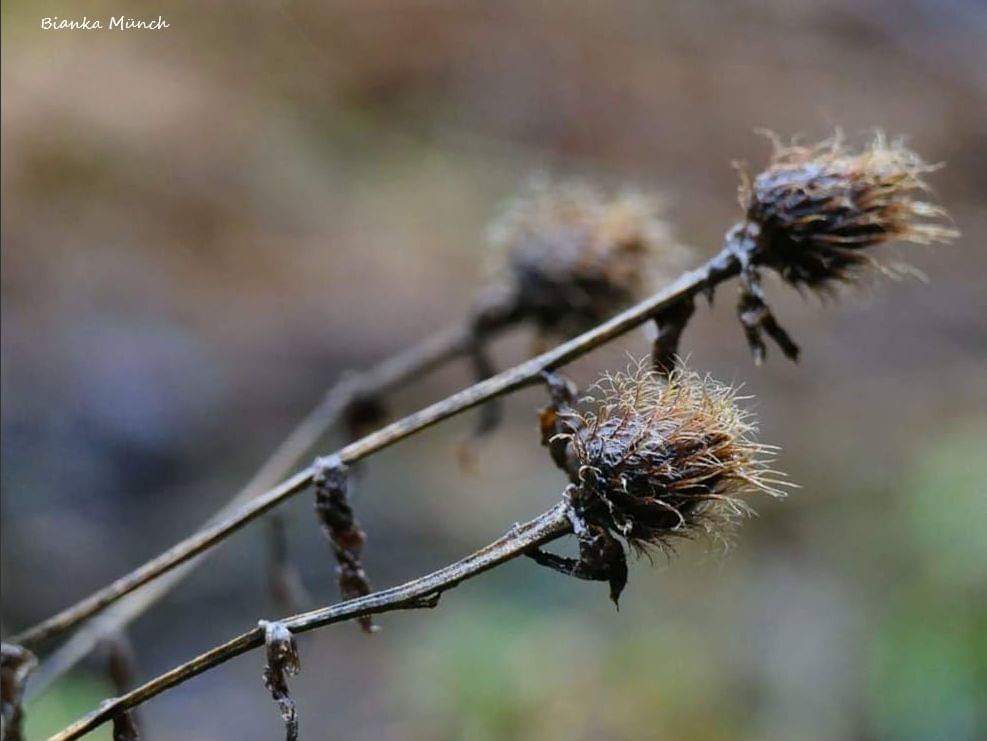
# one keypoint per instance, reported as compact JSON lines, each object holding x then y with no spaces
{"x":723,"y":266}
{"x":419,"y":593}
{"x":381,"y":379}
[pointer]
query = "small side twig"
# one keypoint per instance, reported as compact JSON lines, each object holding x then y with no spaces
{"x":125,"y":728}
{"x":120,"y":663}
{"x":494,"y":310}
{"x":283,"y":580}
{"x":121,"y":668}
{"x":670,"y":324}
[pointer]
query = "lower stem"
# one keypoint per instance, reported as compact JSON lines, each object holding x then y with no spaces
{"x":418,"y":593}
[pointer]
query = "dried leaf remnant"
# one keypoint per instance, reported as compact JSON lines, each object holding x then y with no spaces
{"x":333,"y":509}
{"x":282,"y":662}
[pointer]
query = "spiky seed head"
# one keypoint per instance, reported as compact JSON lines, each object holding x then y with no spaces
{"x":662,"y":458}
{"x":815,"y":209}
{"x":574,"y":255}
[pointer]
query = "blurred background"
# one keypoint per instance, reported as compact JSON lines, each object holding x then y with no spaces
{"x":203,"y":227}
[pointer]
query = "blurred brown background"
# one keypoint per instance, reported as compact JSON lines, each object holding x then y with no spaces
{"x":203,"y":226}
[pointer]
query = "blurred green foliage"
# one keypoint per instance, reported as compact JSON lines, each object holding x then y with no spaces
{"x":509,"y":672}
{"x":75,"y":695}
{"x":929,"y":657}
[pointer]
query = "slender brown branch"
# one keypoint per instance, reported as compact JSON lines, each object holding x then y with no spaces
{"x":419,"y":593}
{"x":386,"y":376}
{"x":721,"y":267}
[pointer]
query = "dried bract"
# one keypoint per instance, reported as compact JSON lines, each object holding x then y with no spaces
{"x":575,"y":256}
{"x":282,"y":662}
{"x":811,"y":214}
{"x":334,"y":511}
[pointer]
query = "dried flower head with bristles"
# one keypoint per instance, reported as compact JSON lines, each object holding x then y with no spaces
{"x":814,"y":210}
{"x":659,"y":457}
{"x":663,"y":458}
{"x":574,"y":256}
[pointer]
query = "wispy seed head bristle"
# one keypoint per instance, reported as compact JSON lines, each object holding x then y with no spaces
{"x":817,"y":208}
{"x":660,"y":458}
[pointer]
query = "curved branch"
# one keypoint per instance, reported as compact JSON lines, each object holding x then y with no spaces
{"x":723,"y":266}
{"x":386,"y":376}
{"x":419,"y":593}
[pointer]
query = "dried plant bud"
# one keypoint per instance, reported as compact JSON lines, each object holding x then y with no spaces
{"x":811,"y":214}
{"x":576,"y":256}
{"x":282,"y":662}
{"x":16,"y":664}
{"x":659,"y":458}
{"x":662,"y":459}
{"x":339,"y":524}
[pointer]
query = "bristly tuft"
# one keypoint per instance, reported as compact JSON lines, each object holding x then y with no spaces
{"x":575,"y":256}
{"x":665,"y":458}
{"x":815,"y":209}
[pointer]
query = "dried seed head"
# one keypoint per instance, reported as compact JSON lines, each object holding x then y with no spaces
{"x":575,"y":256}
{"x":815,"y":209}
{"x":666,"y":458}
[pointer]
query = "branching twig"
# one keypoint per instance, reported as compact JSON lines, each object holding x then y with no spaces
{"x":419,"y":593}
{"x":335,"y":405}
{"x":120,"y":666}
{"x":722,"y":267}
{"x":809,"y":217}
{"x":670,"y":324}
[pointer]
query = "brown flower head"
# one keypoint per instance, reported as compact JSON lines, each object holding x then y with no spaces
{"x":575,"y":256}
{"x":662,"y":458}
{"x":814,"y":210}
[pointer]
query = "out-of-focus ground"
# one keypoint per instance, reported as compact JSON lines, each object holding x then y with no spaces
{"x":204,"y":226}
